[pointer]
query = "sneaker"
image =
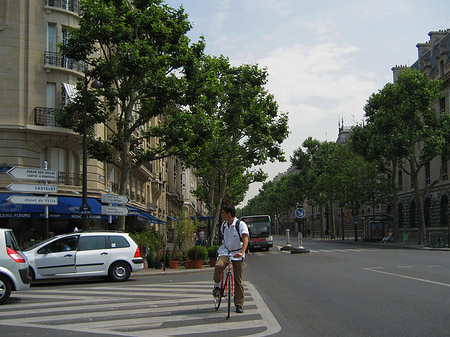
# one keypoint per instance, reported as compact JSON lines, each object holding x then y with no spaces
{"x":217,"y":292}
{"x":239,"y":309}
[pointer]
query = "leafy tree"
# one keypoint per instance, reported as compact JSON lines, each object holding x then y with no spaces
{"x":247,"y":128}
{"x":405,"y":129}
{"x":139,"y":51}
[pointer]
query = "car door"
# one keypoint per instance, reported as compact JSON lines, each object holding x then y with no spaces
{"x":57,"y":257}
{"x":92,"y":255}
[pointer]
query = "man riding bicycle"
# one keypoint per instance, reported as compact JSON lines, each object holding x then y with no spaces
{"x":237,"y":243}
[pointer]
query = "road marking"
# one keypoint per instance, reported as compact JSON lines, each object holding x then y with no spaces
{"x":408,"y":277}
{"x":143,"y":310}
{"x":404,"y":267}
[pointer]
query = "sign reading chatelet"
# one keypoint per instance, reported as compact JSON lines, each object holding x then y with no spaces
{"x":32,"y":188}
{"x":24,"y":173}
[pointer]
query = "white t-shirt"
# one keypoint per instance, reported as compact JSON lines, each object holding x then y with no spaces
{"x":231,"y":238}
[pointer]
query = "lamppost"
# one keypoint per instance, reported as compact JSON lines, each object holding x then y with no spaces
{"x":85,"y":209}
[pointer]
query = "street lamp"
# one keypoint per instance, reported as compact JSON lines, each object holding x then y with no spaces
{"x":85,"y":209}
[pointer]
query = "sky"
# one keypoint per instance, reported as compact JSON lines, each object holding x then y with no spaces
{"x":324,"y":58}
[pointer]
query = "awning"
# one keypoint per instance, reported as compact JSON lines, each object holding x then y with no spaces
{"x":143,"y":215}
{"x":201,"y":218}
{"x":67,"y":208}
{"x":169,"y":217}
{"x":71,"y":90}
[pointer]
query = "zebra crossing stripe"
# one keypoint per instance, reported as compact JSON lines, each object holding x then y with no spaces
{"x":183,"y":308}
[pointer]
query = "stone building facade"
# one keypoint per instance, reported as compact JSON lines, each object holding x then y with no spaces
{"x":37,"y":80}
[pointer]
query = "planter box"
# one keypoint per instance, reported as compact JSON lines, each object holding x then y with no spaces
{"x":198,"y":264}
{"x":173,"y":264}
{"x":212,"y":261}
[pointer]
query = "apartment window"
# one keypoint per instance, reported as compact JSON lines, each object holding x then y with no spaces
{"x":65,"y":162}
{"x":441,"y":68}
{"x":412,"y":214}
{"x":400,"y":214}
{"x":427,"y":173}
{"x":444,"y":211}
{"x":400,"y":178}
{"x":442,"y":104}
{"x":427,"y":212}
{"x":64,"y":96}
{"x":444,"y":168}
{"x":51,"y":95}
{"x":51,"y":45}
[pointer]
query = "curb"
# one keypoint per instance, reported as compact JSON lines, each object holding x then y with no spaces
{"x":160,"y":272}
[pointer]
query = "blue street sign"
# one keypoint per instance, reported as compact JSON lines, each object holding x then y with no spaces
{"x":5,"y":168}
{"x":300,"y":213}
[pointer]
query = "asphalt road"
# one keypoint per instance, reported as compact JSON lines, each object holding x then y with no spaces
{"x":342,"y":289}
{"x":338,"y":289}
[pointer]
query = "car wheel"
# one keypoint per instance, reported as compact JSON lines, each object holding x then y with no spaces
{"x":119,"y":271}
{"x":5,"y":288}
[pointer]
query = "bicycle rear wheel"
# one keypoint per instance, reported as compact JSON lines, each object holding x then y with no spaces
{"x":217,"y":300}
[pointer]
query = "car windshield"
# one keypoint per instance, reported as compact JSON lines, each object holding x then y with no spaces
{"x":259,"y":228}
{"x":38,"y":244}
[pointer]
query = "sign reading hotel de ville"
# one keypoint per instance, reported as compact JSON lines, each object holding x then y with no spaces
{"x":32,"y":200}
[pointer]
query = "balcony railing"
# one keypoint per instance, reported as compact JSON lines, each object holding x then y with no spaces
{"x":57,"y":60}
{"x":66,"y":178}
{"x":45,"y":116}
{"x":69,"y":5}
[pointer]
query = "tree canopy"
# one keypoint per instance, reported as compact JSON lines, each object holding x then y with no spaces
{"x":140,"y":53}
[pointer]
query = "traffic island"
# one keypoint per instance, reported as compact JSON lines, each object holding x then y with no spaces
{"x":299,"y":250}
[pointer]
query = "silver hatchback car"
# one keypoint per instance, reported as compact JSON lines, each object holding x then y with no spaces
{"x":14,"y":273}
{"x":85,"y":254}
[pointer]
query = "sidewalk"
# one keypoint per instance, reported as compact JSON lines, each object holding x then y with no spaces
{"x":411,"y":244}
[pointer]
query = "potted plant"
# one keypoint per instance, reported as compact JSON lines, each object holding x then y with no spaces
{"x":173,"y":260}
{"x":151,"y":259}
{"x":212,"y":254}
{"x":198,"y":254}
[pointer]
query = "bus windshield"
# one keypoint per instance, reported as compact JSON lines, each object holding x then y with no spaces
{"x":259,"y":226}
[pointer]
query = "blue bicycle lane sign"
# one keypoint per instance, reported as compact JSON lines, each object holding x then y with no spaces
{"x":300,"y":213}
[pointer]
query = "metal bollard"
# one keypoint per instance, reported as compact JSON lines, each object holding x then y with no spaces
{"x":300,"y":239}
{"x":288,"y":240}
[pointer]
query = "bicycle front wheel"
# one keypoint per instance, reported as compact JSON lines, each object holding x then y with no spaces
{"x":230,"y":286}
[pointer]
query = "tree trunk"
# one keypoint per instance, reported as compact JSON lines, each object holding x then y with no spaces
{"x":419,"y":204}
{"x":123,"y":183}
{"x":396,"y":226}
{"x":333,"y":222}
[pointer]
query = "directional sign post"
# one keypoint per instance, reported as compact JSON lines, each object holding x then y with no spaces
{"x":32,"y":200}
{"x":32,"y":188}
{"x":108,"y":198}
{"x":114,"y":210}
{"x":24,"y":173}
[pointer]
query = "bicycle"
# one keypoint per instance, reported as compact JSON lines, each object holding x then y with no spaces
{"x":226,"y":285}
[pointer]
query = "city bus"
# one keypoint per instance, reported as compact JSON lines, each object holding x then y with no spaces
{"x":260,"y":228}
